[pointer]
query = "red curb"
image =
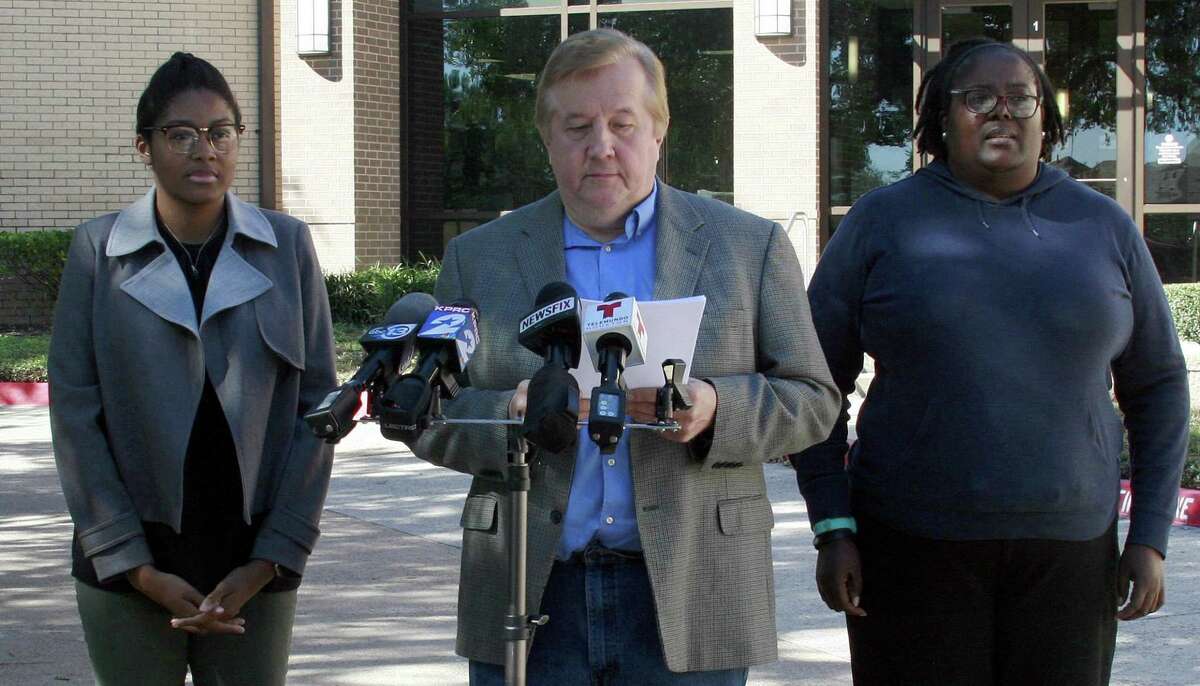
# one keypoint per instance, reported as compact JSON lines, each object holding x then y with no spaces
{"x":1187,"y":510}
{"x":14,"y":393}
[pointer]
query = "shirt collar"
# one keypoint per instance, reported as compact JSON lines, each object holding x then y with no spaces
{"x":639,"y":218}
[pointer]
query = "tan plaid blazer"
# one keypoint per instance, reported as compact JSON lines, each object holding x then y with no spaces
{"x":706,"y":524}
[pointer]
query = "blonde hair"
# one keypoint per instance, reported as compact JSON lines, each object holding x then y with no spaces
{"x":589,"y":50}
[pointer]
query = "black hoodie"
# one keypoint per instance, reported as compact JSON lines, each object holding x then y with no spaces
{"x":997,"y":329}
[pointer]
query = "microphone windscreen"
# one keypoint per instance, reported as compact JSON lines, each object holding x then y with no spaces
{"x":412,"y":308}
{"x":553,"y":292}
{"x":615,"y":295}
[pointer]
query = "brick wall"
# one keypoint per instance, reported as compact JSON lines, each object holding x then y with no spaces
{"x":71,"y":72}
{"x":776,"y":138}
{"x":316,"y":145}
{"x":377,"y":132}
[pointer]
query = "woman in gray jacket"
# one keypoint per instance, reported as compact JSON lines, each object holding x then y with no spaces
{"x":192,"y":332}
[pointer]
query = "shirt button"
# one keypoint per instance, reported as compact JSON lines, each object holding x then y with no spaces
{"x":608,"y":248}
{"x":611,"y":462}
{"x":609,"y":520}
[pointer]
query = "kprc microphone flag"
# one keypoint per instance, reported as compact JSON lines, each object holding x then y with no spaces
{"x":671,"y":329}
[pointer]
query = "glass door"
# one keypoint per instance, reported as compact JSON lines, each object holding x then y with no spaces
{"x":1079,"y":52}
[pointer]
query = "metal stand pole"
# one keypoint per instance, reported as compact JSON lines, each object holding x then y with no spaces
{"x":518,"y":624}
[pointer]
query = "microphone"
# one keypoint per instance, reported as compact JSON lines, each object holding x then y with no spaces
{"x":616,"y":337}
{"x":552,"y":331}
{"x":389,"y":348}
{"x":445,"y":344}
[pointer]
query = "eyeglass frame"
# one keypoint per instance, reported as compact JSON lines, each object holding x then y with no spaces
{"x":201,"y":132}
{"x":1037,"y":100}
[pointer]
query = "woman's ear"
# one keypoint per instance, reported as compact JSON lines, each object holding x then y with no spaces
{"x":143,"y":149}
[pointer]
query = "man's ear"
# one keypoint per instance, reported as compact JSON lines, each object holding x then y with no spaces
{"x":143,"y":149}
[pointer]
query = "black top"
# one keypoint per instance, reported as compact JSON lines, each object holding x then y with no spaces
{"x":214,"y":538}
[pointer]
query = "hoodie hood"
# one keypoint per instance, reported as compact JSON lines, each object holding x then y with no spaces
{"x":1047,"y":178}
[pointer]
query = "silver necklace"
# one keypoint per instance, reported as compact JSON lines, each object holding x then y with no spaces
{"x":192,"y":262}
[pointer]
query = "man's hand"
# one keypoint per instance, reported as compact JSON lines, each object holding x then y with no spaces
{"x":1142,"y":565}
{"x":839,"y":576}
{"x":181,"y":599}
{"x":640,"y":405}
{"x":227,"y":599}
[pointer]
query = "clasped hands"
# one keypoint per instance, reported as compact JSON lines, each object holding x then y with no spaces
{"x":640,"y":404}
{"x":216,"y":613}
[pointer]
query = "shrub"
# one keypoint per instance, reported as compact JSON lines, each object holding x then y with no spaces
{"x":35,"y":258}
{"x":1184,"y":300}
{"x":23,"y":357}
{"x":364,"y":296}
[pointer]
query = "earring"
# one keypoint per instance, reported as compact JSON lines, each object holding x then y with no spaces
{"x":943,"y":135}
{"x":1043,"y":134}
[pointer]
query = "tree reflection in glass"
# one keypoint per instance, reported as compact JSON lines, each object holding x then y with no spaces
{"x":1081,"y":61}
{"x":870,"y":95}
{"x":696,"y":47}
{"x":1172,"y":140}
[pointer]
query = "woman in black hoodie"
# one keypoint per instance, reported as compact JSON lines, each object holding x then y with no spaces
{"x":972,"y":538}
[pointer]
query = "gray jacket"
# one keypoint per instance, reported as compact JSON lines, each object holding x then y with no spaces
{"x":705,"y":524}
{"x":127,"y":364}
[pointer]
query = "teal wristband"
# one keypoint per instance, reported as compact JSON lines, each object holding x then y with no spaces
{"x":827,"y":525}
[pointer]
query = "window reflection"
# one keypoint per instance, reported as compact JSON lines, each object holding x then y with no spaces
{"x":696,"y":47}
{"x":1173,"y":244}
{"x":1172,"y":140}
{"x":991,"y":21}
{"x":870,"y":95}
{"x":1081,"y":61}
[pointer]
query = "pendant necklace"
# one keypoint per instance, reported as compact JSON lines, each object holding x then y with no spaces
{"x":193,"y":261}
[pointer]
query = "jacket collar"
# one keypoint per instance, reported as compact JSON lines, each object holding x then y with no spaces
{"x":160,"y":285}
{"x":135,"y":227}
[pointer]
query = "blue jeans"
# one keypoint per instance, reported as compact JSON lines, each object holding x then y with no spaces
{"x":602,"y":631}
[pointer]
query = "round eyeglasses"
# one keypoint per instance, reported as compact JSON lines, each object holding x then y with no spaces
{"x":182,"y":139}
{"x":983,"y":101}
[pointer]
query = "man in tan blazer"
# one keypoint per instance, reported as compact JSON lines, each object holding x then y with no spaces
{"x":654,"y":563}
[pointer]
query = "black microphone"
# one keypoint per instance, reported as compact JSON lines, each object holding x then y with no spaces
{"x":552,"y":331}
{"x":389,"y":348}
{"x":445,"y":344}
{"x":616,"y":336}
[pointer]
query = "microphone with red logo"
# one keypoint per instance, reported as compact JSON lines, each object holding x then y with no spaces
{"x":552,"y":331}
{"x":389,"y":348}
{"x":446,"y":343}
{"x":615,"y":336}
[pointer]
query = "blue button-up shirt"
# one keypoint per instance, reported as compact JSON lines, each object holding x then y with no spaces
{"x":601,"y":505}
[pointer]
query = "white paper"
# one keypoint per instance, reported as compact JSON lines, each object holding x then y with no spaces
{"x":671,"y":330}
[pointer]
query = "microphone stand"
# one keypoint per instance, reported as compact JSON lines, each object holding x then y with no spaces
{"x":518,"y":624}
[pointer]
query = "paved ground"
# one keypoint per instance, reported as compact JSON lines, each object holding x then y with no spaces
{"x":377,"y":605}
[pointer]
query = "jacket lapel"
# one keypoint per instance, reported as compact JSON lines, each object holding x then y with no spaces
{"x":681,"y":247}
{"x":234,"y":280}
{"x":159,"y":285}
{"x":541,"y":258}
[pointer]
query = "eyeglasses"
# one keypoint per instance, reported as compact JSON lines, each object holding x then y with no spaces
{"x":983,"y":101}
{"x":183,"y":138}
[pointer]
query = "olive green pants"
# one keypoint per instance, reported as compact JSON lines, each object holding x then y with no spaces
{"x":130,"y":641}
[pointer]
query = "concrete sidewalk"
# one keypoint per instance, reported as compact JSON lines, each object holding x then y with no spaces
{"x":377,"y":605}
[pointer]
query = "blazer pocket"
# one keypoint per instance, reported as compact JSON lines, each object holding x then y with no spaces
{"x":479,"y":513}
{"x":745,"y":515}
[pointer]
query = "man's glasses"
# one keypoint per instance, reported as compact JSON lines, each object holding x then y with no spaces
{"x":983,"y":101}
{"x":182,"y":139}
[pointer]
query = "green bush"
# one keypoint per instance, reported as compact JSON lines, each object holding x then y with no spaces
{"x":35,"y":257}
{"x":1184,"y":299}
{"x":23,"y":357}
{"x":364,"y":296}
